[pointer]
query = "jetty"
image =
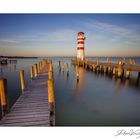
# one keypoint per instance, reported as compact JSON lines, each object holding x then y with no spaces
{"x":33,"y":107}
{"x":120,"y":69}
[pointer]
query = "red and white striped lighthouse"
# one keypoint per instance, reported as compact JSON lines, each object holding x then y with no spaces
{"x":80,"y":47}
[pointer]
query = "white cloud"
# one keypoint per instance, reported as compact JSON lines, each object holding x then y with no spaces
{"x":8,"y":41}
{"x":60,"y":35}
{"x":125,"y":32}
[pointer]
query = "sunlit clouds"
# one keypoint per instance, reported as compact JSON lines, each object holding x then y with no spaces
{"x":57,"y":35}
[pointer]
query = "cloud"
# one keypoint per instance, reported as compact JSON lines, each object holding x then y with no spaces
{"x":61,"y":35}
{"x":8,"y":41}
{"x":126,"y":32}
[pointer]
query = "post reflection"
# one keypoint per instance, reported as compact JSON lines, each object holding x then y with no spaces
{"x":127,"y":81}
{"x":80,"y":82}
{"x":118,"y":85}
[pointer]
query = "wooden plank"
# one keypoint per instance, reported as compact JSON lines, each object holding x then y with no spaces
{"x":32,"y":107}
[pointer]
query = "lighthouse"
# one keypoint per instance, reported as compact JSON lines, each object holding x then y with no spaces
{"x":80,"y":47}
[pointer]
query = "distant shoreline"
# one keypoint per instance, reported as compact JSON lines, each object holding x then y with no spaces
{"x":28,"y":57}
{"x":17,"y":57}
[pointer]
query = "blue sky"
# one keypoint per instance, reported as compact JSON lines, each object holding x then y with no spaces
{"x":56,"y":34}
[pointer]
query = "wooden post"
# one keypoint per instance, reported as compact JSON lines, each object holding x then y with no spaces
{"x":41,"y":64}
{"x":120,"y":68}
{"x":50,"y":75}
{"x":114,"y":71}
{"x":67,"y":69}
{"x":105,"y":69}
{"x":63,"y":66}
{"x":59,"y":65}
{"x":51,"y":67}
{"x":127,"y":74}
{"x":119,"y":71}
{"x":35,"y":70}
{"x":31,"y":72}
{"x":22,"y":81}
{"x":51,"y":95}
{"x":138,"y":78}
{"x":77,"y":73}
{"x":3,"y":99}
{"x":38,"y":68}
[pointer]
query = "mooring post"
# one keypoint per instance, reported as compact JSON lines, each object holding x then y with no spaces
{"x":22,"y":81}
{"x":127,"y":74}
{"x":138,"y":78}
{"x":114,"y":71}
{"x":120,"y":70}
{"x":51,"y":95}
{"x":62,"y":66}
{"x":51,"y":66}
{"x":59,"y":65}
{"x":35,"y":70}
{"x":3,"y":99}
{"x":50,"y":75}
{"x":38,"y":68}
{"x":41,"y":64}
{"x":67,"y":69}
{"x":77,"y":73}
{"x":31,"y":72}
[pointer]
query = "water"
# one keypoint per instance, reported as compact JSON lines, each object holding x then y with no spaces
{"x":97,"y":100}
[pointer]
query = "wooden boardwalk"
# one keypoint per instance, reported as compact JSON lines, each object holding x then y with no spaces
{"x":32,"y":107}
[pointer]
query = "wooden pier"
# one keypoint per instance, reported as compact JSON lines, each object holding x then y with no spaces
{"x":120,"y":70}
{"x":32,"y":107}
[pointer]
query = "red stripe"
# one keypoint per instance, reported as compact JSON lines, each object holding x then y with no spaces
{"x":80,"y":48}
{"x":80,"y":38}
{"x":82,"y":42}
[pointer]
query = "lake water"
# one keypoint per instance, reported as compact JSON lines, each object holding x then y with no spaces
{"x":97,"y":100}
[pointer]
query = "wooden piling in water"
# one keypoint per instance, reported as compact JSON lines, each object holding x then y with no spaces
{"x":51,"y":66}
{"x":51,"y":95}
{"x":22,"y":81}
{"x":127,"y":74}
{"x":50,"y":75}
{"x":35,"y":70}
{"x":31,"y":72}
{"x":38,"y":68}
{"x":114,"y":71}
{"x":77,"y":72}
{"x":3,"y":99}
{"x":67,"y":69}
{"x":63,"y":66}
{"x":138,"y":78}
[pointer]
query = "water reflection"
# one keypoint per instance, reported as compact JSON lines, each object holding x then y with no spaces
{"x":127,"y":81}
{"x":80,"y":83}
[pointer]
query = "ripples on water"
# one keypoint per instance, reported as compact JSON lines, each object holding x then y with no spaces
{"x":97,"y":99}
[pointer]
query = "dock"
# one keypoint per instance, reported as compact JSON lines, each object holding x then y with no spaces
{"x":32,"y":107}
{"x":119,"y":69}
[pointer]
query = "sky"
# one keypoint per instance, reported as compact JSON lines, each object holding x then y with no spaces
{"x":56,"y":34}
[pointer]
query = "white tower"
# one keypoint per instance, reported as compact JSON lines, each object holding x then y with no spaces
{"x":80,"y":47}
